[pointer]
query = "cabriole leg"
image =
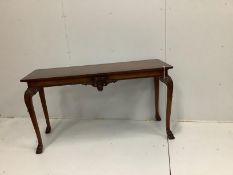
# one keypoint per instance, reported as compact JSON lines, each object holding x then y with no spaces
{"x":169,"y":83}
{"x":43,"y":102}
{"x":29,"y":103}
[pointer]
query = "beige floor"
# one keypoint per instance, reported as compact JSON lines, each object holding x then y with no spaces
{"x":202,"y":149}
{"x":116,"y":147}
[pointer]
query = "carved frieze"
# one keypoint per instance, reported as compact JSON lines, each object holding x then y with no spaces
{"x":99,"y":82}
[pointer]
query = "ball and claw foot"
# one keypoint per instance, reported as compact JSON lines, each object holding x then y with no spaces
{"x":170,"y":135}
{"x":39,"y":149}
{"x":48,"y":130}
{"x":157,"y":117}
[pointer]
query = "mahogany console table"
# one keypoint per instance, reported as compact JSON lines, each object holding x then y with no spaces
{"x":97,"y":76}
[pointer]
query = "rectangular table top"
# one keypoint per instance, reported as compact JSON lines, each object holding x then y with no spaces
{"x":99,"y":69}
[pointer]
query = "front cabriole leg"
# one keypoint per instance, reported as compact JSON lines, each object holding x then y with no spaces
{"x":169,"y":83}
{"x":29,"y":93}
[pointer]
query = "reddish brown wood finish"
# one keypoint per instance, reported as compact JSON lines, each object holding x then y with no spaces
{"x":97,"y":76}
{"x":29,"y":103}
{"x":93,"y":70}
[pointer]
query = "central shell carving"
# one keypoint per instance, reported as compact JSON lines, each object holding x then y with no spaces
{"x":100,"y":82}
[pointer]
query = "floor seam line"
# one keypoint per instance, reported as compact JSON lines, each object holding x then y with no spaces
{"x":169,"y":157}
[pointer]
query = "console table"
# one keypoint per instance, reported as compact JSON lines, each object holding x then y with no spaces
{"x":97,"y":76}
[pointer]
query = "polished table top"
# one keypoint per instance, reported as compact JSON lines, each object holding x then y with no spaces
{"x":99,"y":69}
